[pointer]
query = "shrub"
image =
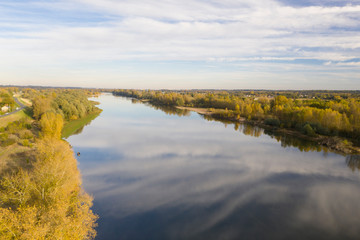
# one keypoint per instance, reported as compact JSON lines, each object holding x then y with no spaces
{"x":26,"y":135}
{"x":308,"y":130}
{"x":8,"y":142}
{"x":4,"y":136}
{"x":272,"y":122}
{"x":26,"y":143}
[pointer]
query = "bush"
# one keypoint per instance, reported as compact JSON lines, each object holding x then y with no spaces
{"x":318,"y":128}
{"x":272,"y":122}
{"x":223,"y":114}
{"x":346,"y":142}
{"x":8,"y":142}
{"x":26,"y":143}
{"x":26,"y":135}
{"x":4,"y":136}
{"x":308,"y":130}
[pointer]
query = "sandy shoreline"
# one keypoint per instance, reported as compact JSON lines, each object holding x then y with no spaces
{"x":204,"y":111}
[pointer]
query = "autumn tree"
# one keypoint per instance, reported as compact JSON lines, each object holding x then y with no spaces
{"x":40,"y":105}
{"x":46,"y":200}
{"x":51,"y":125}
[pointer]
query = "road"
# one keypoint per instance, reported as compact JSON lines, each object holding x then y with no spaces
{"x":22,"y":106}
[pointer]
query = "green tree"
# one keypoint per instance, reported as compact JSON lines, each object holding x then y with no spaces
{"x":308,"y":130}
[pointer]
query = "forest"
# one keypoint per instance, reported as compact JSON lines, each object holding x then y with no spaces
{"x":40,"y":185}
{"x":311,"y":113}
{"x":70,"y":104}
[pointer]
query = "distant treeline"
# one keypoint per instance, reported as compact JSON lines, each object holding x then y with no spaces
{"x":70,"y":104}
{"x":40,"y":185}
{"x":311,"y":112}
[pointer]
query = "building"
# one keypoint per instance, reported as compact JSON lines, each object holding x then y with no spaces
{"x":5,"y":108}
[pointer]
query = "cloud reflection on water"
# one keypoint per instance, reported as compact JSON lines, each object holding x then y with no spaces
{"x":196,"y":179}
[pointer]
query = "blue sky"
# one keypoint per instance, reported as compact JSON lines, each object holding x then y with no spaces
{"x":228,"y":44}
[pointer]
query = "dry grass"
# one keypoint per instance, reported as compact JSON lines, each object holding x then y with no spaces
{"x":9,"y":156}
{"x":26,"y":101}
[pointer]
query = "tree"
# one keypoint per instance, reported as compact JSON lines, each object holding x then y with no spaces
{"x":46,"y":201}
{"x":40,"y":106}
{"x":308,"y":130}
{"x":51,"y":125}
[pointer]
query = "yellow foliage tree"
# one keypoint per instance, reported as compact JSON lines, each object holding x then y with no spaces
{"x":40,"y":106}
{"x":46,"y":202}
{"x":51,"y":124}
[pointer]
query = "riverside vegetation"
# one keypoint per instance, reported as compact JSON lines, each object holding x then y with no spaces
{"x":6,"y":100}
{"x":330,"y":118}
{"x":40,"y":185}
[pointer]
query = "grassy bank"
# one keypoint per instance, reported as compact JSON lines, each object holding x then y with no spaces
{"x":72,"y":126}
{"x":13,"y":117}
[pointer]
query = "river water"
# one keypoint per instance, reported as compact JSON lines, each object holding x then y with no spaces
{"x":161,"y":174}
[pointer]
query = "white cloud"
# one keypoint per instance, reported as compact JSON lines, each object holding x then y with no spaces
{"x":348,"y":64}
{"x":192,"y":30}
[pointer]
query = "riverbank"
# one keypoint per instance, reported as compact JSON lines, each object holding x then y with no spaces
{"x":73,"y":126}
{"x":334,"y":143}
{"x":40,"y":187}
{"x":203,"y":111}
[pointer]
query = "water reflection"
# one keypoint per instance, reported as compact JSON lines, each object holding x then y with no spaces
{"x":353,"y":162}
{"x":157,"y":176}
{"x":171,"y":110}
{"x":166,"y":109}
{"x":80,"y":129}
{"x":286,"y":140}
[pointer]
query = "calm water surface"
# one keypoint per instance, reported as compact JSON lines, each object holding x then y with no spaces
{"x":157,"y":175}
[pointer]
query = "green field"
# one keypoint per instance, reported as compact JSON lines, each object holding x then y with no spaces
{"x":13,"y":117}
{"x":73,"y":126}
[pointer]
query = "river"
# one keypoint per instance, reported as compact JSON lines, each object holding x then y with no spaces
{"x":164,"y":174}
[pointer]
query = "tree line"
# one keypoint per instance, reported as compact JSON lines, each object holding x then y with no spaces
{"x":70,"y":104}
{"x":311,"y":112}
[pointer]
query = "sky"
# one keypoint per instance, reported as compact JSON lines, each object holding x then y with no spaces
{"x":181,"y":44}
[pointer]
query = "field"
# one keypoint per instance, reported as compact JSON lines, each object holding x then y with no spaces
{"x":13,"y":117}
